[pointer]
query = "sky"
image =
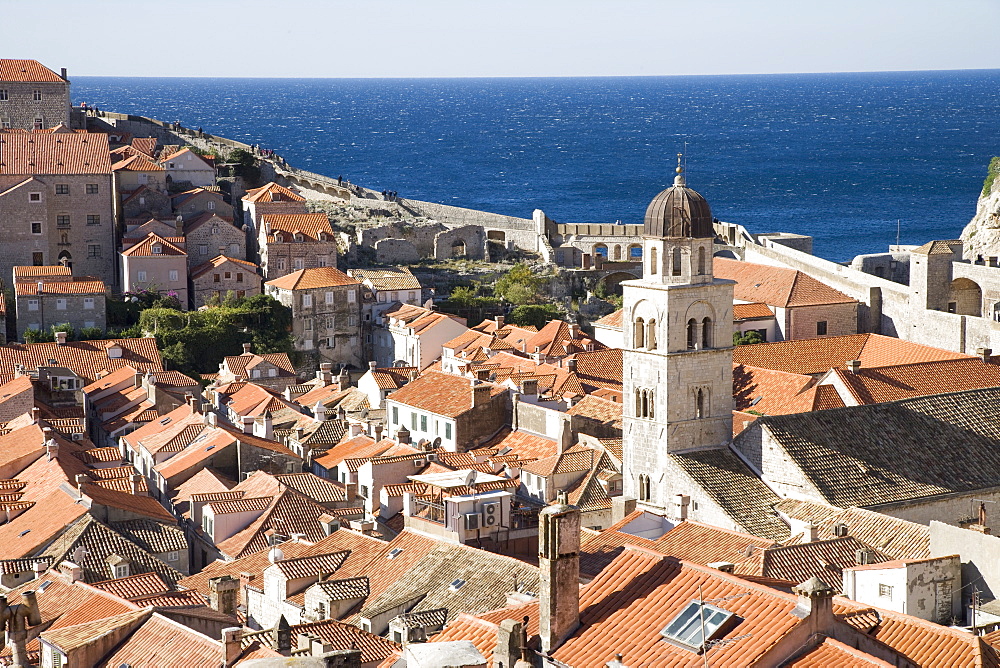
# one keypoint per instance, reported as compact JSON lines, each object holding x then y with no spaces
{"x":490,"y":38}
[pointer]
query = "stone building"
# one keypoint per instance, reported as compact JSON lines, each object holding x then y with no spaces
{"x":272,"y":370}
{"x":156,"y":264}
{"x":270,"y":198}
{"x":32,"y":96}
{"x":43,"y":300}
{"x":186,"y":166}
{"x":145,"y":203}
{"x":208,"y":235}
{"x":194,"y":202}
{"x":222,"y":275}
{"x":412,"y":335}
{"x":677,"y":365}
{"x":56,"y":201}
{"x":386,"y":287}
{"x":292,"y":242}
{"x":326,"y":312}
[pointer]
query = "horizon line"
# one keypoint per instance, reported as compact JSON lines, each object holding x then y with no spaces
{"x":540,"y":76}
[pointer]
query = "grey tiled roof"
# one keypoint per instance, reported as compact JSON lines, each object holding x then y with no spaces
{"x":895,"y":451}
{"x":732,"y":485}
{"x":152,"y":536}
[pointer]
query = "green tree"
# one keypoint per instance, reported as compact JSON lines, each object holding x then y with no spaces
{"x":750,"y":337}
{"x":519,"y":285}
{"x":533,"y":314}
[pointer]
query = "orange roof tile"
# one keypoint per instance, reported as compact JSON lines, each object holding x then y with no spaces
{"x":751,"y":311}
{"x":830,"y":653}
{"x":136,"y":163}
{"x":54,"y":154}
{"x":440,"y":393}
{"x":143,"y":584}
{"x":80,"y":285}
{"x":272,"y":192}
{"x":146,"y":247}
{"x":309,"y":225}
{"x":27,"y":71}
{"x":815,"y":356}
{"x":311,"y":279}
{"x":43,"y":270}
{"x":613,"y":320}
{"x":392,"y":378}
{"x":601,"y":368}
{"x":776,"y":286}
{"x":395,"y":278}
{"x":221,"y":260}
{"x":889,"y":383}
{"x":165,"y":643}
{"x":524,"y":444}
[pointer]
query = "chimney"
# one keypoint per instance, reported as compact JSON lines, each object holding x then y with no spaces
{"x":81,"y":480}
{"x":265,"y":428}
{"x":35,"y":411}
{"x":352,"y":491}
{"x":621,"y":507}
{"x":812,"y":533}
{"x":232,"y":643}
{"x":529,"y":386}
{"x":297,"y":434}
{"x":500,"y":321}
{"x":984,"y":354}
{"x":480,"y":393}
{"x":403,"y":435}
{"x":193,"y":402}
{"x":574,"y":331}
{"x":17,"y":637}
{"x":325,"y":373}
{"x":815,"y":606}
{"x":137,"y":380}
{"x":414,"y":374}
{"x":508,"y":649}
{"x":854,"y":366}
{"x":246,"y":349}
{"x":681,"y":504}
{"x":283,"y":637}
{"x":571,"y":364}
{"x":377,"y":432}
{"x":372,"y":365}
{"x":139,"y":486}
{"x":41,"y":287}
{"x":51,"y":449}
{"x":211,"y":419}
{"x":344,"y":379}
{"x":39,"y":568}
{"x":71,"y":571}
{"x":319,"y":411}
{"x":247,"y":421}
{"x":565,"y":438}
{"x":179,"y":225}
{"x":62,"y":73}
{"x":60,"y":338}
{"x":559,"y":571}
{"x":222,"y":594}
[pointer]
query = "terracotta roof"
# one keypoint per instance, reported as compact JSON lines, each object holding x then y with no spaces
{"x":735,"y":488}
{"x":272,"y":192}
{"x":776,"y":286}
{"x":27,"y":71}
{"x":309,"y":225}
{"x":145,"y":247}
{"x":440,"y":393}
{"x":220,"y":261}
{"x":318,"y":489}
{"x":395,"y":278}
{"x":140,"y":505}
{"x":80,"y":285}
{"x":890,"y":383}
{"x":154,"y":537}
{"x":893,"y":537}
{"x":54,"y":154}
{"x":574,"y":460}
{"x":601,"y":368}
{"x":823,"y":559}
{"x":240,"y":365}
{"x":43,"y":270}
{"x":613,"y":320}
{"x":771,"y":392}
{"x":136,"y":163}
{"x":133,"y":586}
{"x":600,"y":410}
{"x":313,"y":565}
{"x":893,"y":453}
{"x":347,"y":636}
{"x":556,"y":339}
{"x":145,"y":145}
{"x":289,"y":512}
{"x":311,"y":279}
{"x":165,"y":643}
{"x":524,"y":444}
{"x":830,"y":653}
{"x":241,"y":505}
{"x":815,"y":356}
{"x":752,"y":311}
{"x":392,"y":378}
{"x":357,"y":446}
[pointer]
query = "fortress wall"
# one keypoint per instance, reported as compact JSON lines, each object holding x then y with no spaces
{"x":522,"y":232}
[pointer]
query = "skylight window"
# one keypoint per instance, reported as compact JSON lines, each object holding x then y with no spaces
{"x":456,"y":585}
{"x":686,"y":628}
{"x":44,"y":585}
{"x":394,"y":552}
{"x":165,"y":420}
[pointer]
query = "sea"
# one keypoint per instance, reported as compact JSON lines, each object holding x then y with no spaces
{"x":857,"y":161}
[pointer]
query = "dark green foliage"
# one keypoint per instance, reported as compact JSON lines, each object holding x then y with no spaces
{"x":193,"y":341}
{"x":991,"y":175}
{"x":534,"y":314}
{"x":90,"y":334}
{"x":519,"y":285}
{"x":746,"y":339}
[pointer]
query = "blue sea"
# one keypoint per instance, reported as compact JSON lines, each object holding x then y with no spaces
{"x":840,"y":157}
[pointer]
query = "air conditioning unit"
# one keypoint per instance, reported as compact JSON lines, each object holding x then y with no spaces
{"x":432,"y":456}
{"x":491,"y":514}
{"x":473,"y":521}
{"x":419,"y":463}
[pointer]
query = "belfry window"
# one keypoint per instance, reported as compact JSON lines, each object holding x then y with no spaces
{"x":700,"y":404}
{"x":675,"y":269}
{"x":652,"y":261}
{"x":701,"y":261}
{"x":639,"y":334}
{"x":644,"y":488}
{"x":692,"y":334}
{"x":651,"y":335}
{"x":706,"y":333}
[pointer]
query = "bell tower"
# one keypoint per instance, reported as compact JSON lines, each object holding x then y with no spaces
{"x":678,"y":358}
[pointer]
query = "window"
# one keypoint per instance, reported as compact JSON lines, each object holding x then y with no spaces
{"x":644,"y":487}
{"x":821,"y":328}
{"x":652,"y":261}
{"x":215,"y":228}
{"x":256,"y":373}
{"x":173,"y":274}
{"x":211,"y":207}
{"x":651,"y":335}
{"x":239,"y":277}
{"x":229,"y":274}
{"x":686,"y":628}
{"x":413,"y":421}
{"x":32,"y":304}
{"x":88,"y":302}
{"x":37,"y":258}
{"x":298,"y":263}
{"x":675,"y":269}
{"x":329,"y":298}
{"x":173,"y":556}
{"x":94,"y":251}
{"x":706,"y":333}
{"x":3,"y":94}
{"x":279,"y":264}
{"x":141,"y":276}
{"x":701,"y":260}
{"x":202,"y":249}
{"x":208,"y":524}
{"x":320,"y":260}
{"x":39,"y":122}
{"x":307,"y":301}
{"x":447,"y":430}
{"x":952,"y":307}
{"x":234,"y":250}
{"x":395,"y":414}
{"x":157,"y":250}
{"x":36,"y":95}
{"x":216,"y":278}
{"x":692,"y":334}
{"x":699,"y":404}
{"x":271,"y":373}
{"x":423,"y":423}
{"x":331,"y":322}
{"x":60,"y":304}
{"x":639,"y":333}
{"x":885,"y":591}
{"x":92,"y":189}
{"x":350,"y":296}
{"x":36,"y":228}
{"x":121,"y":571}
{"x":62,"y":188}
{"x":62,"y":221}
{"x":307,"y":324}
{"x":34,"y":197}
{"x":93,"y":219}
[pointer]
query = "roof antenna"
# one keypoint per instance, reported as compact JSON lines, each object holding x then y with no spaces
{"x":679,"y":179}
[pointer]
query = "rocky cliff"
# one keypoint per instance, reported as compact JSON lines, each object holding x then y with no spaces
{"x":982,"y":234}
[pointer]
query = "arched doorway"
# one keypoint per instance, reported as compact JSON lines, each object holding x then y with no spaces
{"x":66,"y":259}
{"x":965,"y":297}
{"x":458,"y":248}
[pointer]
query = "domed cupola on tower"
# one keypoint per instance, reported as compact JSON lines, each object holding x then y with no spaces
{"x":679,"y":211}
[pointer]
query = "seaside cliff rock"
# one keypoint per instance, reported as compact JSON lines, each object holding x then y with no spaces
{"x":982,"y":234}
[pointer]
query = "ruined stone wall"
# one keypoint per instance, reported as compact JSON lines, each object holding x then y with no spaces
{"x":468,"y":241}
{"x":396,"y":251}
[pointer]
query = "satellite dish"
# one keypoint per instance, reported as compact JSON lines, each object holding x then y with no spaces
{"x":79,"y":554}
{"x":274,"y":555}
{"x":470,"y":479}
{"x":437,"y":443}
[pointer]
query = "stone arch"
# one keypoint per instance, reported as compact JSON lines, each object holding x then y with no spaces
{"x":644,"y":487}
{"x":612,"y":282}
{"x":458,"y":248}
{"x":634,"y":253}
{"x":692,"y":334}
{"x":65,"y":258}
{"x":601,"y":250}
{"x":965,"y":297}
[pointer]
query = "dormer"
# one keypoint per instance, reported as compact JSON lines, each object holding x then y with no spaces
{"x":119,"y":566}
{"x":114,"y":350}
{"x":279,"y":237}
{"x":323,"y":236}
{"x":297,"y":236}
{"x":157,"y":249}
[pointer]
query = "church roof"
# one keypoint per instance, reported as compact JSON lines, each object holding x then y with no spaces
{"x":679,"y":211}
